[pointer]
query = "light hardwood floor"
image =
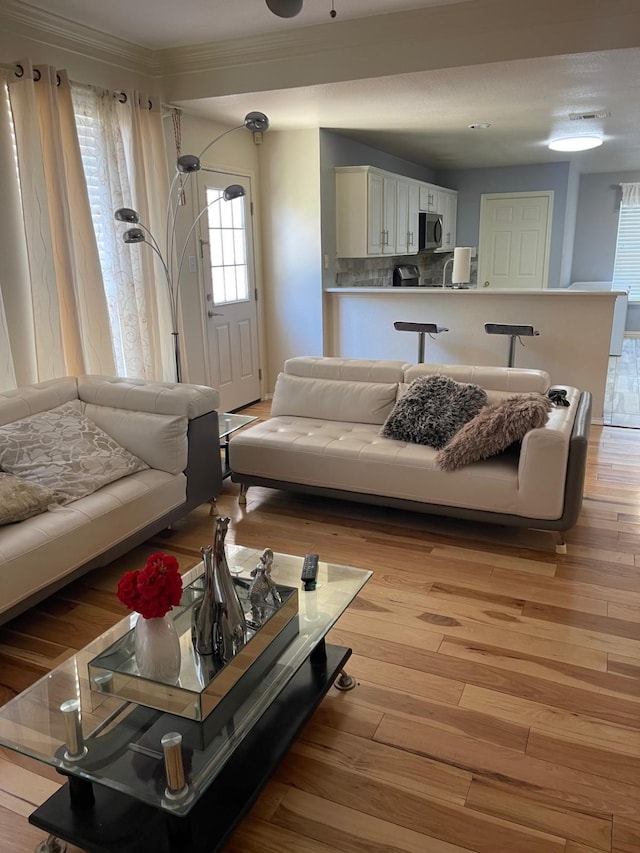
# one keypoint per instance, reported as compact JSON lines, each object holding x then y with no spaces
{"x":622,"y":394}
{"x":498,"y":700}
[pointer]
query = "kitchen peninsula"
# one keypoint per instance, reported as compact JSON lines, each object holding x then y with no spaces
{"x":574,"y":327}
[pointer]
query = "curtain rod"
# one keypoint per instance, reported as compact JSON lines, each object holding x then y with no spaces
{"x":17,"y":69}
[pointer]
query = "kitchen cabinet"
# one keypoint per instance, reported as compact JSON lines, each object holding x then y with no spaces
{"x":448,"y":209}
{"x":366,"y":205}
{"x":407,"y":208}
{"x":429,"y":198}
{"x":377,"y":212}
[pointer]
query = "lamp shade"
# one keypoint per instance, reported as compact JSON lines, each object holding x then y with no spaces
{"x":256,"y":121}
{"x":233,"y":191}
{"x":126,"y":214}
{"x":188,"y":163}
{"x":134,"y":235}
{"x":284,"y":8}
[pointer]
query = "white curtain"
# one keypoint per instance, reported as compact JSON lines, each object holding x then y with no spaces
{"x":125,"y":163}
{"x":630,"y":195}
{"x":58,"y":306}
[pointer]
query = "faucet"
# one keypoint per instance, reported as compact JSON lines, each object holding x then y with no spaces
{"x":444,"y":268}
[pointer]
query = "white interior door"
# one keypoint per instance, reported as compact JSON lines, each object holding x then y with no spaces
{"x":513,"y":247}
{"x":231,"y":296}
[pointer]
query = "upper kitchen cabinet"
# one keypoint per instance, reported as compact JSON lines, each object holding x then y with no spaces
{"x":366,"y":211}
{"x":377,"y":212}
{"x":447,"y":201}
{"x":429,"y":198}
{"x":407,"y":224}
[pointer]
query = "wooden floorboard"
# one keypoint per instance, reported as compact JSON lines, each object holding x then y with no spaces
{"x":497,"y":708}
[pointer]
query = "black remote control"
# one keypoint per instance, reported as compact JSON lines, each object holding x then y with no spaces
{"x":309,"y":572}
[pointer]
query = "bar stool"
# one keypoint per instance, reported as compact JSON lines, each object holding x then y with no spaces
{"x":514,"y":330}
{"x":422,"y":329}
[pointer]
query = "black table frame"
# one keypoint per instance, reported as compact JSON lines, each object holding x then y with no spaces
{"x":102,"y":820}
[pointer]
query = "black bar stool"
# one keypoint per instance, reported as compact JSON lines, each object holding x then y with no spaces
{"x":514,"y":330}
{"x":422,"y":329}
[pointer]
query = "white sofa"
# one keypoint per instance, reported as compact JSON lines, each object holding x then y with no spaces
{"x":323,"y":437}
{"x":173,"y":428}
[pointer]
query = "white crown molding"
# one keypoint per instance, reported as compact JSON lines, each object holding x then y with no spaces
{"x":41,"y":26}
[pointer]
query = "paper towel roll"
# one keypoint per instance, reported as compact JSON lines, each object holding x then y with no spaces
{"x":461,"y":273}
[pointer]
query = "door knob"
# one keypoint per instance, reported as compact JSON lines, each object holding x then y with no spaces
{"x":214,"y":314}
{"x":486,"y":284}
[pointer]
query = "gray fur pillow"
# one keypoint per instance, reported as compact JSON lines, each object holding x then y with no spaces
{"x":495,"y":428}
{"x":432,"y":410}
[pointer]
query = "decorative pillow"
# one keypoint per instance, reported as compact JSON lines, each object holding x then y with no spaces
{"x":495,"y":428}
{"x":20,"y":499}
{"x":63,"y":450}
{"x":432,"y":410}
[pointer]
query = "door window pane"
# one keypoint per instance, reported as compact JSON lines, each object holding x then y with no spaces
{"x":228,"y":247}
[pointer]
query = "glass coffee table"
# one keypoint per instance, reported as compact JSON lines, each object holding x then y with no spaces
{"x":117,"y":796}
{"x":228,"y":423}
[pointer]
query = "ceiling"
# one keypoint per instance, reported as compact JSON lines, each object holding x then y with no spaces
{"x":159,"y":24}
{"x":422,"y":117}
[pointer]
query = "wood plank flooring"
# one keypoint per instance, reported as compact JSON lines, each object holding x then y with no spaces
{"x":622,"y":393}
{"x":498,"y":700}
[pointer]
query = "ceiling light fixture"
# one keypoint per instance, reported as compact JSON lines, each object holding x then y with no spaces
{"x":575,"y":143}
{"x":284,"y":8}
{"x":291,"y":8}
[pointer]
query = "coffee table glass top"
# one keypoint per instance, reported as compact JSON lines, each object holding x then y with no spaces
{"x":229,"y":423}
{"x":123,"y":738}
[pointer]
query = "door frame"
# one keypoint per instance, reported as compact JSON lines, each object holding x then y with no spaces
{"x":484,"y":197}
{"x":256,"y":250}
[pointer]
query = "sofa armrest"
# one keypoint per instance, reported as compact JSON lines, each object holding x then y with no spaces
{"x":550,"y":459}
{"x":185,"y":406}
{"x":204,"y":466}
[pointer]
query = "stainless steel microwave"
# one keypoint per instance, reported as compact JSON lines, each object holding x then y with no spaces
{"x":429,"y":231}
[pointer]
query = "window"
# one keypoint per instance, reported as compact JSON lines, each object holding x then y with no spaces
{"x":228,"y":247}
{"x":626,"y":268}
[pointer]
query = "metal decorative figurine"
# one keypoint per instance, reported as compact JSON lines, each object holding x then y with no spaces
{"x":262,"y":587}
{"x":230,"y":629}
{"x":218,"y":623}
{"x":203,"y":617}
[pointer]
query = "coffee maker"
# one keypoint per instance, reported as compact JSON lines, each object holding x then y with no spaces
{"x":406,"y":275}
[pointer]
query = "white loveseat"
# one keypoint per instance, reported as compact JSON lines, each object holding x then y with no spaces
{"x":172,"y":428}
{"x":323,"y":437}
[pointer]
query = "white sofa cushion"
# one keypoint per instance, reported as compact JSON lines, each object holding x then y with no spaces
{"x":44,"y":549}
{"x":65,"y":451}
{"x":355,"y":369}
{"x":511,"y":379}
{"x":333,"y":399}
{"x":159,"y":440}
{"x":356,"y":458}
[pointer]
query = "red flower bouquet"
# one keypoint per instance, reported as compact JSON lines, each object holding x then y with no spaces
{"x":154,"y":590}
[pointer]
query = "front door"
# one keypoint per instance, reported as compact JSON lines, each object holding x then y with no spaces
{"x":515,"y":232}
{"x":231,"y":296}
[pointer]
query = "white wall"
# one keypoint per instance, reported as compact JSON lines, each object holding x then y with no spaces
{"x":292,"y":259}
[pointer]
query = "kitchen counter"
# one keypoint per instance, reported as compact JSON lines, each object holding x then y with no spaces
{"x":550,"y":292}
{"x":574,"y":326}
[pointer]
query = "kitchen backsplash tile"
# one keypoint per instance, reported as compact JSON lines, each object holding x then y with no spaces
{"x":378,"y":272}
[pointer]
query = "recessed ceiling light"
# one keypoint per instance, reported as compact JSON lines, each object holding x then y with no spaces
{"x":479,"y":126}
{"x":575,"y":143}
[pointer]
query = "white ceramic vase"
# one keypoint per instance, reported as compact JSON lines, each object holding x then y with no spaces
{"x":157,"y":648}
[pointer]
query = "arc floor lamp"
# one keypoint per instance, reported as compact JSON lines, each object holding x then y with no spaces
{"x":172,"y":259}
